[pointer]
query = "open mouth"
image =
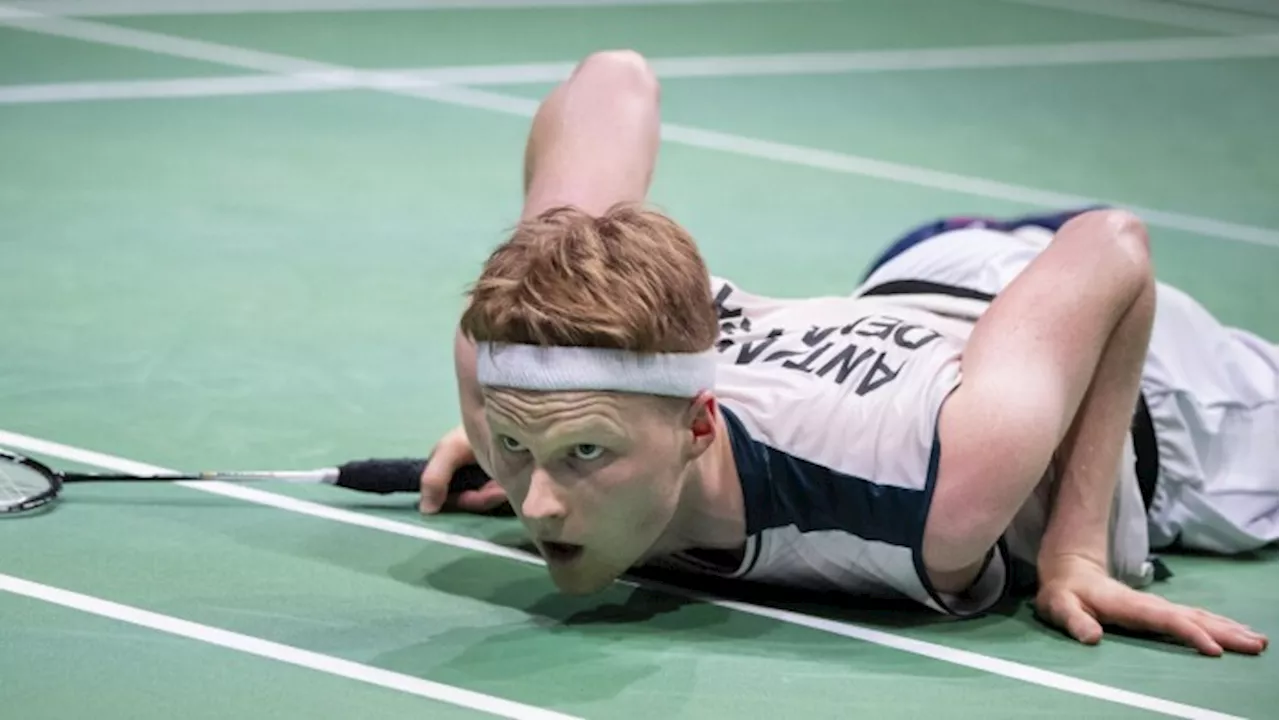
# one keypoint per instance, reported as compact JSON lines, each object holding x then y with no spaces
{"x":561,"y":552}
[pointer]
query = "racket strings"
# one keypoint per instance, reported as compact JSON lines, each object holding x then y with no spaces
{"x":18,"y":483}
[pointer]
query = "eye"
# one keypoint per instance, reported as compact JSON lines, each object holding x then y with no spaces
{"x":587,"y":451}
{"x":510,"y":444}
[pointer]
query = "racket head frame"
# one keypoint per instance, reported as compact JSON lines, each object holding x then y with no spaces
{"x":40,"y":499}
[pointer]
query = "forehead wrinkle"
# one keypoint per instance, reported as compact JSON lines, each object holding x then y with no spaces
{"x":565,"y":413}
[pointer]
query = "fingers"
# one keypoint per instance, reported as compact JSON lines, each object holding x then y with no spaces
{"x":1212,"y":635}
{"x":1208,"y":633}
{"x":452,"y":452}
{"x":486,"y":499}
{"x":1084,"y":628}
{"x":1142,"y":612}
{"x":1082,"y":616}
{"x":1231,"y":635}
{"x":1244,"y":642}
{"x":1065,"y":610}
{"x":1189,"y":632}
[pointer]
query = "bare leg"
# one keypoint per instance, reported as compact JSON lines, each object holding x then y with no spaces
{"x":594,"y":141}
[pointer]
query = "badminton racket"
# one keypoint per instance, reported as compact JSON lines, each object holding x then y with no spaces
{"x":27,"y":484}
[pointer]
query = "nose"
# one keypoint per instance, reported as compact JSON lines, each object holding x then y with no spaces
{"x":542,"y":503}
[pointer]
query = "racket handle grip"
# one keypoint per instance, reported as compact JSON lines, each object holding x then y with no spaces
{"x":402,"y":475}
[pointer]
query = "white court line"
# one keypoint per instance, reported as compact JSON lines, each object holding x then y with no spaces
{"x":697,"y":137}
{"x":976,"y":661}
{"x":162,"y":44}
{"x":107,"y":8}
{"x":873,"y":61}
{"x":869,"y":167}
{"x":870,"y":61}
{"x":277,"y":651}
{"x":1163,"y":12}
{"x":172,"y":88}
{"x":1247,"y":7}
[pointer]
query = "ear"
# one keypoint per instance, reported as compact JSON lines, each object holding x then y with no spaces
{"x":700,"y":419}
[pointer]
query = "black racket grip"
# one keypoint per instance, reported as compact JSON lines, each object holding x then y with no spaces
{"x":402,"y":475}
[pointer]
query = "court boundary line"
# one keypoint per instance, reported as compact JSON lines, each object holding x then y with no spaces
{"x":1005,"y":55}
{"x":1238,"y":7}
{"x":686,"y":135}
{"x":168,"y":88}
{"x":144,"y":8}
{"x":808,"y":64}
{"x":280,"y":652}
{"x":1207,"y":19}
{"x":1214,"y":20}
{"x":965,"y":658}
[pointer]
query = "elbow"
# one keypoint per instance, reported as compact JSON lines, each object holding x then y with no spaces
{"x":953,"y":552}
{"x":1109,"y":252}
{"x":1120,"y":237}
{"x":1129,"y":235}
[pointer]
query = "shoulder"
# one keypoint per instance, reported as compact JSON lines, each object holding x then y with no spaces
{"x":824,"y":480}
{"x":844,"y":511}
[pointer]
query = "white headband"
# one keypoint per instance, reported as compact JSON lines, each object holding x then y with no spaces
{"x":534,"y":367}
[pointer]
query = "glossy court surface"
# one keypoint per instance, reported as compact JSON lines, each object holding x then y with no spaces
{"x":223,"y":249}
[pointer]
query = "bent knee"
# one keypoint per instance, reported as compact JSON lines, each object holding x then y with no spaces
{"x":619,"y":71}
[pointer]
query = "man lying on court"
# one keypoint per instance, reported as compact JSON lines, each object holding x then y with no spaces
{"x":910,"y":440}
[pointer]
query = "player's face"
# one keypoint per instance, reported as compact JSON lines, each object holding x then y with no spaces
{"x":595,"y":477}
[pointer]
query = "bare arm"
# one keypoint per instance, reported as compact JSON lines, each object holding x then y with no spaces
{"x":1054,"y":367}
{"x":1056,"y":358}
{"x":1089,"y":456}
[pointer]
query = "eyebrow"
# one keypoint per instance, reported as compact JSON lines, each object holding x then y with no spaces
{"x":565,"y":431}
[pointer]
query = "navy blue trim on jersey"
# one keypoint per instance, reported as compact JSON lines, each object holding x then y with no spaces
{"x":1048,"y":221}
{"x":925,"y":287}
{"x":780,"y":490}
{"x":917,"y":549}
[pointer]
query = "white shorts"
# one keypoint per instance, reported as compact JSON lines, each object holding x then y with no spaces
{"x":1211,"y":390}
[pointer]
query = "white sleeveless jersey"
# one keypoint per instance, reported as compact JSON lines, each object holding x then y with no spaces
{"x":831,"y":404}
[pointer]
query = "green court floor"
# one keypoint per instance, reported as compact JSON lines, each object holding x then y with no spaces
{"x":212,"y":260}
